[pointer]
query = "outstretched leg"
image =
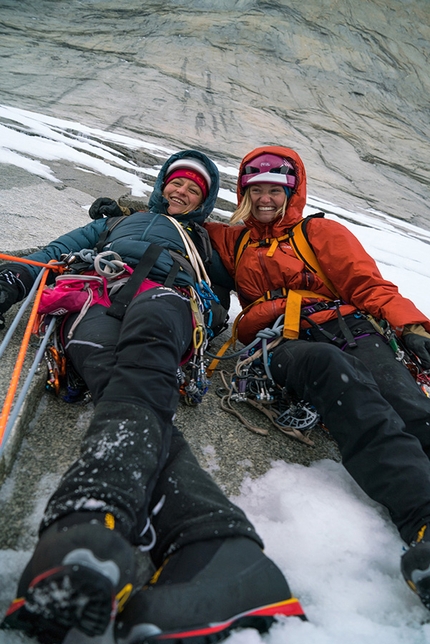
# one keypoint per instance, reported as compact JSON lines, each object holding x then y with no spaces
{"x":101,"y":505}
{"x":212,"y":574}
{"x":388,"y":463}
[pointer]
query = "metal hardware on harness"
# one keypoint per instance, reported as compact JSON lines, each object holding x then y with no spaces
{"x":299,"y":415}
{"x":423,"y":380}
{"x":310,"y":309}
{"x":255,"y":384}
{"x":252,"y":381}
{"x":408,"y":359}
{"x":56,"y":363}
{"x":250,"y":384}
{"x":192,"y":380}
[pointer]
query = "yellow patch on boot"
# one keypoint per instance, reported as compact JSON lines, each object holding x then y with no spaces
{"x":157,"y":573}
{"x":123,"y":596}
{"x":109,"y":521}
{"x":421,"y":533}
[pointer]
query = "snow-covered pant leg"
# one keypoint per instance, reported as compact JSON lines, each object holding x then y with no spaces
{"x":122,"y":455}
{"x":128,"y":439}
{"x":195,"y":509}
{"x":388,"y":463}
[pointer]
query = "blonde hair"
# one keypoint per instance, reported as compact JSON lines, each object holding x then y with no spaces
{"x":243,"y":211}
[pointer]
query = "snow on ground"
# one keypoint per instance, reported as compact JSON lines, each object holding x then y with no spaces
{"x":339,"y":550}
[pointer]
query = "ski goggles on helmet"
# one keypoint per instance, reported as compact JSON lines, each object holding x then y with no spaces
{"x":269,"y":168}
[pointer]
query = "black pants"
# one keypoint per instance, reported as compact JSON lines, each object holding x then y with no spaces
{"x":127,"y":466}
{"x":373,"y":408}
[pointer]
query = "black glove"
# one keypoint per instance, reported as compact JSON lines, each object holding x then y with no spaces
{"x":105,"y":207}
{"x":12,"y":289}
{"x":420,"y":345}
{"x":16,"y":281}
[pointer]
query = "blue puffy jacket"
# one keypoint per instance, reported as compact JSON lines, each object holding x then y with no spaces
{"x":132,"y":236}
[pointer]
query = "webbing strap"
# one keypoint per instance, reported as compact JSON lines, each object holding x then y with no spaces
{"x":345,"y":329}
{"x":172,"y":274}
{"x":293,"y":311}
{"x":231,"y":340}
{"x":303,"y":250}
{"x":293,"y":307}
{"x":111,"y":224}
{"x":240,"y":245}
{"x":118,"y":307}
{"x":300,"y":245}
{"x":213,"y":365}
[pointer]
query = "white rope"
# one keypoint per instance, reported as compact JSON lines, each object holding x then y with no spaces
{"x":192,"y":252}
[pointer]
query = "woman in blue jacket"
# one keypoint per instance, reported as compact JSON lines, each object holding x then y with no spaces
{"x":136,"y":475}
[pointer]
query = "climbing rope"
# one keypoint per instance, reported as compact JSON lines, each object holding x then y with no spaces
{"x":7,"y":419}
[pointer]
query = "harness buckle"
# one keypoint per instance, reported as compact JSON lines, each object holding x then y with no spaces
{"x":317,"y":307}
{"x":276,"y":294}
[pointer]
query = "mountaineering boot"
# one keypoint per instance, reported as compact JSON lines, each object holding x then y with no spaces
{"x":204,"y":591}
{"x":415,"y":565}
{"x":81,"y":572}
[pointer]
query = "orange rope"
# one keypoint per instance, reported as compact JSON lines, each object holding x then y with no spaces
{"x":21,"y":356}
{"x":56,"y":267}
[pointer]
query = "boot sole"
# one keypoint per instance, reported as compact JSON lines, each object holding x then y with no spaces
{"x":62,"y":598}
{"x":260,"y":618}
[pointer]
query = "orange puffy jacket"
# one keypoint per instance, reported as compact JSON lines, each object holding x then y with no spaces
{"x":353,"y":273}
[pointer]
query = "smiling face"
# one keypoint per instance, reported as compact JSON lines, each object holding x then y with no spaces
{"x":267,"y":200}
{"x":183,"y":196}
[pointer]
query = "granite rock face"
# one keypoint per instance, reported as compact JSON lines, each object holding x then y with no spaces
{"x":344,"y":83}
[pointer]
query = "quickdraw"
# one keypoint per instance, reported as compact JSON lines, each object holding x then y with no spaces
{"x":192,"y":377}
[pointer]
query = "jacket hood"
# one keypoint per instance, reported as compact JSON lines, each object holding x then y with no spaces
{"x":296,"y":202}
{"x":158,"y":204}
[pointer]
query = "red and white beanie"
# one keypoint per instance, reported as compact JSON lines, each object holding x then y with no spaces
{"x":192,"y":169}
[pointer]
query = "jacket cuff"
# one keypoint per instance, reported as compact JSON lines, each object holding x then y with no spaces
{"x":418,"y":329}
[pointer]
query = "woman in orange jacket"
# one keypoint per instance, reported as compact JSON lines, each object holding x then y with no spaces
{"x":332,"y":354}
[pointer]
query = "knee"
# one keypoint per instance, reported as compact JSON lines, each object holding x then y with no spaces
{"x":296,"y":356}
{"x":301,"y":366}
{"x":164,"y":313}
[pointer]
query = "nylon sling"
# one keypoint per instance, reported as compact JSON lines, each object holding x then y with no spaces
{"x":123,"y":298}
